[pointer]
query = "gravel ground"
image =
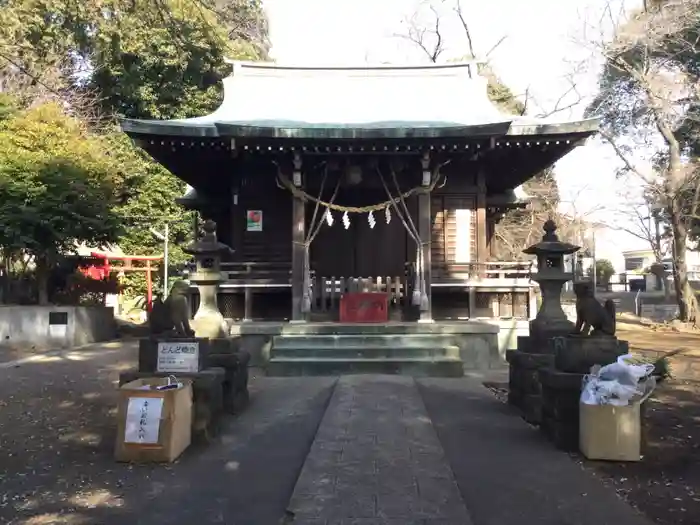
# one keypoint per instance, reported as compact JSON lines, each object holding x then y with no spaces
{"x":57,"y":465}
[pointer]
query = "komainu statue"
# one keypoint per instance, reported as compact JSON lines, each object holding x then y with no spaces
{"x":590,"y":314}
{"x":172,"y":316}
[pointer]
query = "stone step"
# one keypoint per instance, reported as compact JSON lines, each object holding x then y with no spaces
{"x":448,"y":327}
{"x":356,"y":340}
{"x":363,"y":351}
{"x":315,"y":366}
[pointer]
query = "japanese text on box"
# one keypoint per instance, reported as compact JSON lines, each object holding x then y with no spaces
{"x":143,"y":420}
{"x":178,"y":357}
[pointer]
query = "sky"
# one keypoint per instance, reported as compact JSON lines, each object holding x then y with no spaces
{"x":544,"y":45}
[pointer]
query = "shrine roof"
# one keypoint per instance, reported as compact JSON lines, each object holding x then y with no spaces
{"x":263,"y":100}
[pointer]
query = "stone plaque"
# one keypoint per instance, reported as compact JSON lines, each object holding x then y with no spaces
{"x":178,"y":356}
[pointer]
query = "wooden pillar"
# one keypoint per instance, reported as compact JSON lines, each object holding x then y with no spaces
{"x":248,"y":296}
{"x":234,"y":221}
{"x":425,"y":232}
{"x":481,"y":246}
{"x":298,"y":238}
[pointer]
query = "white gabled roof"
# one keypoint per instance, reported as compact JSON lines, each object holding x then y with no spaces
{"x":422,"y":100}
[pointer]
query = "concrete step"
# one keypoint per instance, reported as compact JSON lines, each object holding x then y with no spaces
{"x":356,"y":340}
{"x":448,"y":327}
{"x":314,"y":366}
{"x":364,"y":352}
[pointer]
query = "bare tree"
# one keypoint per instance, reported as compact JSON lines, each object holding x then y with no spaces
{"x":640,"y":217}
{"x":521,"y":228}
{"x":646,"y":90}
{"x":516,"y":229}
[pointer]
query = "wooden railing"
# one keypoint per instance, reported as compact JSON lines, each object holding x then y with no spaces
{"x":494,"y":273}
{"x":251,"y":279}
{"x":262,"y":275}
{"x":327,"y":291}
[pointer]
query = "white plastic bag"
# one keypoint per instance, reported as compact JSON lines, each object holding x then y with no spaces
{"x":618,"y":383}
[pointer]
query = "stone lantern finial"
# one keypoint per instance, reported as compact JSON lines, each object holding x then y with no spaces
{"x":550,"y":229}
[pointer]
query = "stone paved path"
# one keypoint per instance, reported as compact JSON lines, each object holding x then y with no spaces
{"x":377,"y":460}
{"x":385,"y":449}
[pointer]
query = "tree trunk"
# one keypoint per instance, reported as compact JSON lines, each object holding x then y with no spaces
{"x":42,"y":280}
{"x":685,"y":295}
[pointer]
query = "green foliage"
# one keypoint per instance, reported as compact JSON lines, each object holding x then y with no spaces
{"x":57,"y":185}
{"x":604,"y":271}
{"x":9,"y":106}
{"x":62,"y":182}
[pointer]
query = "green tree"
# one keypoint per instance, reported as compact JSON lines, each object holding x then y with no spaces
{"x":604,"y":270}
{"x":164,"y":59}
{"x":58,"y":188}
{"x":132,"y":58}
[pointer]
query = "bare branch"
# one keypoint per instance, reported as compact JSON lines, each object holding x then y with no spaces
{"x":496,"y":45}
{"x":467,"y":33}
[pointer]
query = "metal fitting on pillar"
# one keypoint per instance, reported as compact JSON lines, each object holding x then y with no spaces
{"x":425,"y":162}
{"x":296,"y":177}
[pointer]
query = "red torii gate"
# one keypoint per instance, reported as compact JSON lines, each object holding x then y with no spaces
{"x":102,"y":271}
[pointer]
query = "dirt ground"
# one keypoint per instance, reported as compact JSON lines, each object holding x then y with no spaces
{"x":656,"y":337}
{"x":665,"y":485}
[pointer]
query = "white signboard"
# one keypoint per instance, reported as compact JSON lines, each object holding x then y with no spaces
{"x":58,"y":331}
{"x":178,"y":357}
{"x":143,"y":420}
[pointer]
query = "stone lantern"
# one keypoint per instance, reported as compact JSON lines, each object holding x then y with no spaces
{"x":207,"y":251}
{"x":524,"y":389}
{"x":551,"y":276}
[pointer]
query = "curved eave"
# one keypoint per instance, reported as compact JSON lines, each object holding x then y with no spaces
{"x":170,"y":128}
{"x":378,"y":130}
{"x":195,"y":128}
{"x":533,"y":128}
{"x":301,"y":130}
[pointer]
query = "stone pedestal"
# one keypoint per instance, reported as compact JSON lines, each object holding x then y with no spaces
{"x":561,"y":392}
{"x":578,"y":353}
{"x":224,"y":353}
{"x":524,"y":389}
{"x":572,"y":358}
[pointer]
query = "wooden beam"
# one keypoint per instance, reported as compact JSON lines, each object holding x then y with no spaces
{"x":481,"y":245}
{"x":298,"y":238}
{"x":425,"y":231}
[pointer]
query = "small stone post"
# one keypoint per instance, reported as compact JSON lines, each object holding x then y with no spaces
{"x":208,"y":321}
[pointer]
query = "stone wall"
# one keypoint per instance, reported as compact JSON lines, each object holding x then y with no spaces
{"x":509,"y":330}
{"x":56,"y":326}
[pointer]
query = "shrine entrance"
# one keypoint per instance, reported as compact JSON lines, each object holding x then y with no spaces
{"x":359,"y":253}
{"x":356,"y":248}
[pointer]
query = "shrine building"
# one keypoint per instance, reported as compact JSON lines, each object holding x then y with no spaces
{"x":331,"y":180}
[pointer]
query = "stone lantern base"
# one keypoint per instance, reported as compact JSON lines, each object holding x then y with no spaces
{"x":524,"y":390}
{"x":561,"y":383}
